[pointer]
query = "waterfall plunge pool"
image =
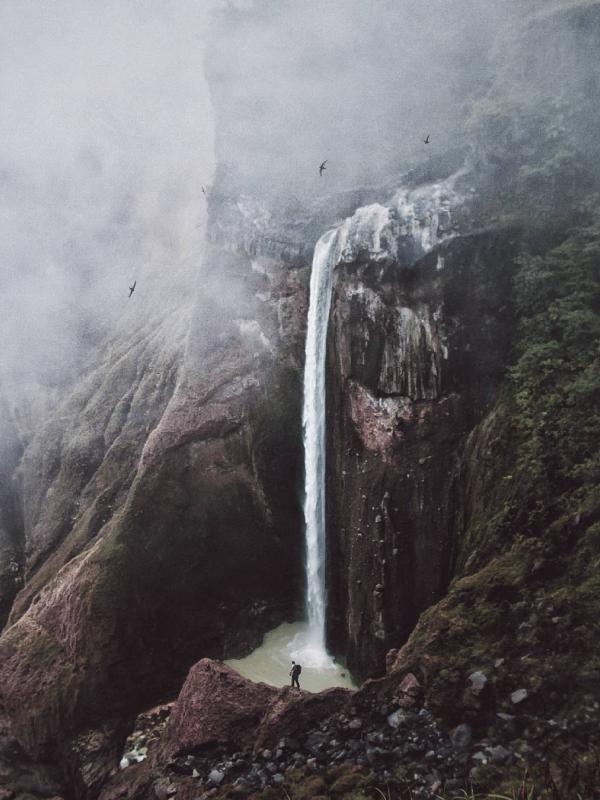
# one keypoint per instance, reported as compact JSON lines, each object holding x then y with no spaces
{"x":271,"y":662}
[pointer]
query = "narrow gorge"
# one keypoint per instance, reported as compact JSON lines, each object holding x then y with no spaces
{"x":356,"y":428}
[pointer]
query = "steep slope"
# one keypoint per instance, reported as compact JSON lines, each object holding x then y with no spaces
{"x":163,"y":524}
{"x":420,"y":331}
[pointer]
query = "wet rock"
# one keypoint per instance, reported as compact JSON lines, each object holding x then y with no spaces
{"x":478,"y":682}
{"x":518,"y":696}
{"x":164,"y":789}
{"x":499,"y":754}
{"x":397,"y":718}
{"x":408,"y":691}
{"x":461,"y":737}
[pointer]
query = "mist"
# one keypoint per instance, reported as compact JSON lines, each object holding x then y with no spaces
{"x":108,"y":134}
{"x":106,"y":139}
{"x":359,"y":84}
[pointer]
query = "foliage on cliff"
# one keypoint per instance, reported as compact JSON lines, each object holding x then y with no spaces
{"x":524,"y":608}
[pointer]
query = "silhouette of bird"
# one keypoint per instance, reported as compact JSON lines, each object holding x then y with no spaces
{"x":204,"y":191}
{"x":426,"y":139}
{"x":322,"y":168}
{"x":132,"y":288}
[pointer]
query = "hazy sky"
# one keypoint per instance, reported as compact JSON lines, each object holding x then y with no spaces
{"x":358,"y":82}
{"x":107,"y":131}
{"x":106,"y":137}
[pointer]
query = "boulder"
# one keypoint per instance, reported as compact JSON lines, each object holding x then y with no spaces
{"x":408,"y":691}
{"x":461,"y":737}
{"x":216,"y":706}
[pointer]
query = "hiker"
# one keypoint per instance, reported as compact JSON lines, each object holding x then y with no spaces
{"x":295,"y":673}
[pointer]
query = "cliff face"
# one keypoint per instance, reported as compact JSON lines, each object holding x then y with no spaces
{"x":161,"y":520}
{"x":417,"y":349}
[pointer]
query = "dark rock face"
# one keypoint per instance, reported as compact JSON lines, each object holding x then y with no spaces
{"x":417,"y":347}
{"x":158,"y":521}
{"x":217,"y":707}
{"x":11,"y":528}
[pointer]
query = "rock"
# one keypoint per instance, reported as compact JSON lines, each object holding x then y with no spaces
{"x":478,"y":682}
{"x":408,"y":691}
{"x":461,"y":737}
{"x":216,"y":777}
{"x":163,"y":789}
{"x":391,"y":655}
{"x":396,"y":718}
{"x":278,"y":779}
{"x":518,"y":696}
{"x":499,"y":754}
{"x":216,"y":706}
{"x":355,"y":724}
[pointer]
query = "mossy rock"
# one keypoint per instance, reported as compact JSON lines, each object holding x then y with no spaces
{"x":347,"y":783}
{"x":308,"y":788}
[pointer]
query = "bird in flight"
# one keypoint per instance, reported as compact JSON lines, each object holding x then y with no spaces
{"x":322,"y":168}
{"x":132,"y":288}
{"x":426,"y":139}
{"x":204,"y":191}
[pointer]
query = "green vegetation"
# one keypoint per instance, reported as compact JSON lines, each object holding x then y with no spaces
{"x":556,"y":378}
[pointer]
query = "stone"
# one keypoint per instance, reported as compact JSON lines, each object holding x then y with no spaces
{"x":355,"y":724}
{"x":518,"y":696}
{"x":499,"y":754}
{"x":396,"y":718}
{"x":216,"y":777}
{"x":163,"y":789}
{"x":278,"y":779}
{"x":478,"y":682}
{"x":408,"y":691}
{"x":461,"y":737}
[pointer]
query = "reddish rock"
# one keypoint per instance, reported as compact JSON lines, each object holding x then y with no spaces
{"x":217,"y":706}
{"x":293,"y":713}
{"x":408,"y":691}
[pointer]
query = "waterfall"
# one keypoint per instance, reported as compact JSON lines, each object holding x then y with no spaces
{"x":327,"y":253}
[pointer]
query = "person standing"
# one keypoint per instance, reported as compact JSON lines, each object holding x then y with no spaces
{"x":295,"y":674}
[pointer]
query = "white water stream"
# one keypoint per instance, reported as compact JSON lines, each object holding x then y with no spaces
{"x":305,"y":642}
{"x":327,"y":253}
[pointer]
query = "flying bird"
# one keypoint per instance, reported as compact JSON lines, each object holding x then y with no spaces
{"x":204,"y":191}
{"x":426,"y":139}
{"x":132,"y":288}
{"x":322,"y":168}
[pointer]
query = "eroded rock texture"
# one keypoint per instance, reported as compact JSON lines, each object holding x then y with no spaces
{"x":417,"y":350}
{"x":157,"y":523}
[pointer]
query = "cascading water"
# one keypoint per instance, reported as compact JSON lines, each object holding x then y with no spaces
{"x":410,"y":223}
{"x":327,"y":253}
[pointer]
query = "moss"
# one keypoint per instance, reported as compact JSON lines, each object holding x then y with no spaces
{"x":307,"y":788}
{"x":347,"y":783}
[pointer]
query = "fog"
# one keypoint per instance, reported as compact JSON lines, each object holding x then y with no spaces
{"x":106,"y":138}
{"x":358,"y":83}
{"x":108,"y":133}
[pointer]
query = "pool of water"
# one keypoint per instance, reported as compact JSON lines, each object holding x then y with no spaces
{"x":272,"y":661}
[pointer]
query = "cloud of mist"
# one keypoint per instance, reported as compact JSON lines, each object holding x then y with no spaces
{"x":106,"y":136}
{"x":106,"y":132}
{"x":358,"y":83}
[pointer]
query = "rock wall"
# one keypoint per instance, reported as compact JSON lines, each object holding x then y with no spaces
{"x":161,"y":513}
{"x":419,"y":331}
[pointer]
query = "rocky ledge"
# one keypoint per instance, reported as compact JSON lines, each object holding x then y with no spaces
{"x":226,"y":737}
